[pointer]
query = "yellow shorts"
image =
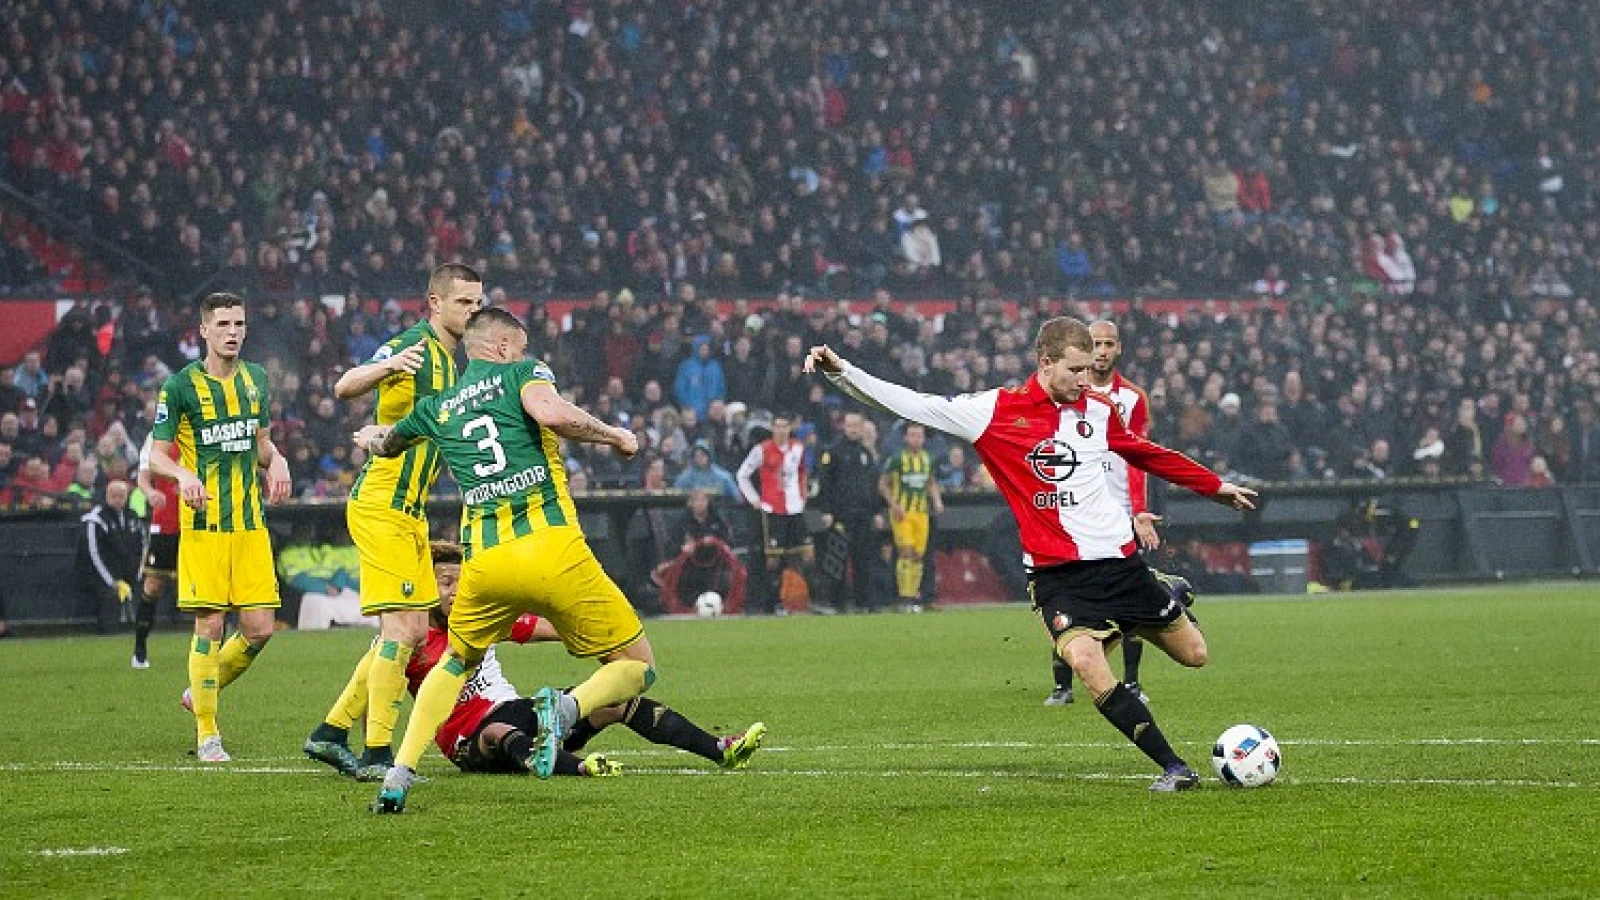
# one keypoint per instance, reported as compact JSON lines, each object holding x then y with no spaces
{"x":396,"y":565}
{"x":911,"y":531}
{"x":553,"y":574}
{"x":227,"y":570}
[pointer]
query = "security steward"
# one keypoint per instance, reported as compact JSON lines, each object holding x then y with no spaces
{"x":847,"y":496}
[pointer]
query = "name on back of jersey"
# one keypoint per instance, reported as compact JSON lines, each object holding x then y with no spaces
{"x":230,"y":437}
{"x":510,"y":486}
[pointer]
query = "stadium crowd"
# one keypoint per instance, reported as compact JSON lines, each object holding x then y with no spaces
{"x":1410,"y":195}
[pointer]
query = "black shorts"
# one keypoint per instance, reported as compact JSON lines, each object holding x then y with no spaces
{"x":519,"y":714}
{"x":1103,"y":597}
{"x":162,"y":554}
{"x":784,"y":534}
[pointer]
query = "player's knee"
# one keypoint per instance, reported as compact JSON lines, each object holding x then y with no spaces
{"x":1195,"y":655}
{"x":492,"y":734}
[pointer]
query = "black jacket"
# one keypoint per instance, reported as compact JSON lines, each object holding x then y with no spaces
{"x":112,"y":545}
{"x":847,"y":480}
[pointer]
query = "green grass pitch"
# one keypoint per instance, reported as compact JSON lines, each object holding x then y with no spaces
{"x":1436,"y":743}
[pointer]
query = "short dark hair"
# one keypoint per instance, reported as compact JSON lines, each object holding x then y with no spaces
{"x":493,"y":317}
{"x":218,"y":300}
{"x":445,"y":552}
{"x":443,"y":275}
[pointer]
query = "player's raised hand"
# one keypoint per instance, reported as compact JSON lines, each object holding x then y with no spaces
{"x":1144,"y":528}
{"x":822,"y":357}
{"x":279,"y":484}
{"x":1235,"y":496}
{"x":193,"y":491}
{"x":408,"y":360}
{"x":156,"y":500}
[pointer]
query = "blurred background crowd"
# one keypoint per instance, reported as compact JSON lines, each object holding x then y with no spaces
{"x":1394,"y":203}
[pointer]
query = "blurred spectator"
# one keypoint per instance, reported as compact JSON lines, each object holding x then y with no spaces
{"x":700,"y":379}
{"x":1513,"y":453}
{"x":705,"y":560}
{"x":704,"y":474}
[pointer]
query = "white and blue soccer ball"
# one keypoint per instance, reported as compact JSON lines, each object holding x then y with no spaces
{"x":1246,"y":756}
{"x":708,"y":605}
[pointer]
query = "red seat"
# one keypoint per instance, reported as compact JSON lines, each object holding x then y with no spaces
{"x":964,"y":576}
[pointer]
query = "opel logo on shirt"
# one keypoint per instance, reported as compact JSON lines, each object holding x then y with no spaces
{"x":1053,"y":461}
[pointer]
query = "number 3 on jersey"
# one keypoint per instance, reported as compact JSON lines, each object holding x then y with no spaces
{"x":490,"y":442}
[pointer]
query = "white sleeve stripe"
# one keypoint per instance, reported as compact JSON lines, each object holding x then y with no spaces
{"x":966,"y":416}
{"x":752,"y":461}
{"x":94,"y":550}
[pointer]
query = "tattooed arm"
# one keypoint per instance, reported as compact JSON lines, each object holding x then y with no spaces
{"x":382,"y":440}
{"x":548,"y":408}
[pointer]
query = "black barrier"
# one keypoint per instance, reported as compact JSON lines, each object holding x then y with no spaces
{"x":1464,"y":532}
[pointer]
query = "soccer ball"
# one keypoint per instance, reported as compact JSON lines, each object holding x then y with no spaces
{"x":1246,"y":756}
{"x":708,"y":605}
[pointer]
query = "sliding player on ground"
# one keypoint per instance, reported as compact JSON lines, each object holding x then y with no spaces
{"x":499,"y":431}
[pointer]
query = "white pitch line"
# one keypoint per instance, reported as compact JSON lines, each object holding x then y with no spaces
{"x":265,"y":767}
{"x":964,"y":774}
{"x":82,"y":851}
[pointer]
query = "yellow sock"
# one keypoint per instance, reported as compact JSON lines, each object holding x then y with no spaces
{"x":435,"y":700}
{"x":386,"y":689}
{"x":908,"y":577}
{"x":237,"y":655}
{"x":613,"y":682}
{"x":204,"y":655}
{"x":351,"y":707}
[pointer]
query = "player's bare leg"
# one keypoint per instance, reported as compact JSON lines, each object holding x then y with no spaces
{"x":400,"y":631}
{"x":205,"y":654}
{"x":502,"y":740}
{"x":623,"y":675}
{"x":1183,"y":642}
{"x":154,"y":587}
{"x":1086,"y":653}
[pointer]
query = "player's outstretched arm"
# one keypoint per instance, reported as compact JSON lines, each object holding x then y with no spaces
{"x":551,"y":410}
{"x":965,"y":415}
{"x":366,"y":377}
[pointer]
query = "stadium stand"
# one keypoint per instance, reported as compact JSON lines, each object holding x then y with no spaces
{"x":1394,"y":208}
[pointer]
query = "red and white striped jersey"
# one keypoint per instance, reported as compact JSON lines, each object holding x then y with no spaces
{"x":1047,"y":459}
{"x":773,"y":478}
{"x":1127,"y":482}
{"x":485,"y":689}
{"x":165,"y":519}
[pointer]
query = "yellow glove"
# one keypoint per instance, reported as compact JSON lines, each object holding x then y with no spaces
{"x":124,"y":591}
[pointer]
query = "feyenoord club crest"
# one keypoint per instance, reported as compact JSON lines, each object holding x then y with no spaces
{"x":1061,"y":622}
{"x":1085,"y":430}
{"x":1053,"y":461}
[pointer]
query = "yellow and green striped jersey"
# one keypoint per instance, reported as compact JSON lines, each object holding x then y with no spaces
{"x":507,"y":464}
{"x":909,"y":474}
{"x":214,"y":424}
{"x":403,"y":482}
